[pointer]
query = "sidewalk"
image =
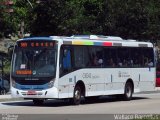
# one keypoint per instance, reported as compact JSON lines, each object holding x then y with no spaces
{"x":5,"y":97}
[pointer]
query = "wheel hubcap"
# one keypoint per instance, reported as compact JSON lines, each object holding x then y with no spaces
{"x":128,"y":91}
{"x":77,"y":94}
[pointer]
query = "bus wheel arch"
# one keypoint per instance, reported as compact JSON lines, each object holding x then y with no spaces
{"x":81,"y":84}
{"x":128,"y":89}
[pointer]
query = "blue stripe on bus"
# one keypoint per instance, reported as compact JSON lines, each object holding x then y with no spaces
{"x":98,"y":43}
{"x":31,"y":87}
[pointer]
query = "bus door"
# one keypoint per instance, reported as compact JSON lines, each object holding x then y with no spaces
{"x":65,"y":62}
{"x":65,"y":70}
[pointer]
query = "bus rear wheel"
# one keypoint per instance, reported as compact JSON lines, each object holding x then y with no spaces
{"x":77,"y":95}
{"x":128,"y":91}
{"x":38,"y":101}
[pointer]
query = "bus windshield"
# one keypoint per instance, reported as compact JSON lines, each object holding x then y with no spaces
{"x":37,"y":62}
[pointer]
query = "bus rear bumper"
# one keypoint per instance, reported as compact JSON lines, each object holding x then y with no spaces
{"x":33,"y":94}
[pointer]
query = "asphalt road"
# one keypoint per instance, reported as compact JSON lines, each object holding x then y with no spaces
{"x":146,"y":103}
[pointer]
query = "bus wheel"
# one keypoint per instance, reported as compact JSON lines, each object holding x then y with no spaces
{"x":38,"y":101}
{"x":77,"y":95}
{"x":128,"y":91}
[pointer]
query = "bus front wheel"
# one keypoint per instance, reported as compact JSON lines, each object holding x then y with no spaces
{"x":77,"y":95}
{"x":128,"y":91}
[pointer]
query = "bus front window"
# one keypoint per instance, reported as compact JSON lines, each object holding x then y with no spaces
{"x":34,"y":62}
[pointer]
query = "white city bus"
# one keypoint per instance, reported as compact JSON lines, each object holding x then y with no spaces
{"x":81,"y":66}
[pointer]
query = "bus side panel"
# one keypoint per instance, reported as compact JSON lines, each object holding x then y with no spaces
{"x":107,"y":81}
{"x":95,"y":85}
{"x":147,"y":79}
{"x":93,"y":81}
{"x":63,"y":86}
{"x":118,"y":78}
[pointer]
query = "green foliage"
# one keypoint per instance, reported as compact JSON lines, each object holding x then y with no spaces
{"x":7,"y":66}
{"x":5,"y":26}
{"x":67,"y":17}
{"x":84,"y":17}
{"x":11,"y":21}
{"x":135,"y":19}
{"x":47,"y":18}
{"x":126,"y":18}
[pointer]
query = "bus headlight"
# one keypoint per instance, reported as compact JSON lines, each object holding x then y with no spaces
{"x":50,"y":84}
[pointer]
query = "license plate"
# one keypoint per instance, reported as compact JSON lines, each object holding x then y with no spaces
{"x":31,"y":92}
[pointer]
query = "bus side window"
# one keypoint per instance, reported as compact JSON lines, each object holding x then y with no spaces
{"x":65,"y":61}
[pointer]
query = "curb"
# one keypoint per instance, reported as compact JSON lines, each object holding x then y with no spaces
{"x":11,"y":99}
{"x":4,"y":98}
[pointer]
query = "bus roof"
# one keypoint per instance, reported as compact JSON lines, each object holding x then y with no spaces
{"x":43,"y":38}
{"x":95,"y":40}
{"x":104,"y":41}
{"x":35,"y":38}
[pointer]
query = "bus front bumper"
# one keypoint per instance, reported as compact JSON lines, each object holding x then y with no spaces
{"x":29,"y":94}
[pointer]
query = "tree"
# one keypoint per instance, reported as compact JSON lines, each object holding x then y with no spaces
{"x":47,"y":18}
{"x":67,"y":17}
{"x":5,"y":7}
{"x":85,"y":16}
{"x":126,"y":18}
{"x":12,"y":21}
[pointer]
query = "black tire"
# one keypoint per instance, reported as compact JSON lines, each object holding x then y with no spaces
{"x":77,"y":95}
{"x":128,"y":91}
{"x":38,"y":102}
